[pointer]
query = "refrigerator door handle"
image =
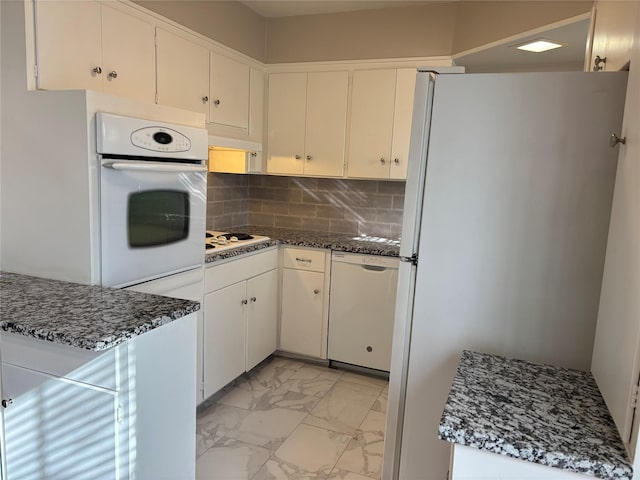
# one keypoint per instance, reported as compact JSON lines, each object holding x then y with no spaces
{"x":413,"y":259}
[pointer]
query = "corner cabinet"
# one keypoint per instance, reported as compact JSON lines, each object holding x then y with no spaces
{"x":380,"y":126}
{"x":305,"y":302}
{"x":241,"y":316}
{"x":612,"y":35}
{"x":307,"y":115}
{"x":90,"y":45}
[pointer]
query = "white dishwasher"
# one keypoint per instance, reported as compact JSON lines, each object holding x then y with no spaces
{"x":361,"y":309}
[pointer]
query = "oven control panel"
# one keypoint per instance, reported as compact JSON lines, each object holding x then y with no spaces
{"x":159,"y":139}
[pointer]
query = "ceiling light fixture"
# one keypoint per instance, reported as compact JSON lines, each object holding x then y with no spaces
{"x":539,"y":45}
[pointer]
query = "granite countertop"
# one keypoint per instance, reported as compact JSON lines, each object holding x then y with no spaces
{"x":83,"y":316}
{"x":307,"y":238}
{"x":538,"y":413}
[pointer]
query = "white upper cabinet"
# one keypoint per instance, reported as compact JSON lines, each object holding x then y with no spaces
{"x":381,"y":109}
{"x":183,"y":72}
{"x":256,"y":105}
{"x":69,"y":45}
{"x":229,"y":87}
{"x":128,"y":55}
{"x":613,"y":35}
{"x":89,"y":45}
{"x":307,"y":123}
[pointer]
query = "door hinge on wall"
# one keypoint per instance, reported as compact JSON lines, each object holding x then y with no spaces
{"x":35,"y":70}
{"x":156,"y":97}
{"x":119,"y":414}
{"x":634,"y":396}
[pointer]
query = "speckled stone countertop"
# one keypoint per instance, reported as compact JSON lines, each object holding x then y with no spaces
{"x":306,"y":238}
{"x":538,"y":413}
{"x":83,"y":316}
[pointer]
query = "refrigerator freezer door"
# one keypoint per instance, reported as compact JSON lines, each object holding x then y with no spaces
{"x":518,"y":192}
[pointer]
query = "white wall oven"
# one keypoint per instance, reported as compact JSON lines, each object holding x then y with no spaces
{"x":152,"y":198}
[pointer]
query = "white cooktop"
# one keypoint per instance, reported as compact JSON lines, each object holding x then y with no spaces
{"x":221,"y":243}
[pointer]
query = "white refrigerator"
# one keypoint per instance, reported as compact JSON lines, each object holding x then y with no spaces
{"x":507,"y":209}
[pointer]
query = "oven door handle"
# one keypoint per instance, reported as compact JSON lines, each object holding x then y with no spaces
{"x":154,"y":167}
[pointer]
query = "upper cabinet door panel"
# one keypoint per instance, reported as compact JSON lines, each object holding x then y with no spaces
{"x":405,"y":89}
{"x":372,"y":104}
{"x":183,"y":72}
{"x":256,"y":105}
{"x":326,"y":123}
{"x":229,"y":104}
{"x":613,"y":33}
{"x":286,"y":122}
{"x":128,"y":51}
{"x":68,"y":45}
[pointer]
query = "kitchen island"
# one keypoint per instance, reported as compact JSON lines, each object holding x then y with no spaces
{"x":101,"y":381}
{"x":510,"y":418}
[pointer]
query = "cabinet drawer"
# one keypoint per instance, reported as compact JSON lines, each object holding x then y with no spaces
{"x":224,"y":274}
{"x":303,"y":259}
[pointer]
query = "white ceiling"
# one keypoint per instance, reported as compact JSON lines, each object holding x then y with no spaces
{"x":289,"y":8}
{"x":505,"y":57}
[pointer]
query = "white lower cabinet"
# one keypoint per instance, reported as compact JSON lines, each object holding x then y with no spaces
{"x":241,"y":312}
{"x":304,"y":316}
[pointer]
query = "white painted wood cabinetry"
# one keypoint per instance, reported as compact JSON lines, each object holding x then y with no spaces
{"x":90,"y":45}
{"x":306,"y":123}
{"x":241,"y":312}
{"x":380,"y":126}
{"x":304,"y":308}
{"x":612,"y":34}
{"x":183,"y":72}
{"x":229,"y":87}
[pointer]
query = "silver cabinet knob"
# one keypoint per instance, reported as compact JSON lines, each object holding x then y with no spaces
{"x":244,"y":302}
{"x":396,"y":161}
{"x":216,"y":102}
{"x":298,"y":157}
{"x":97,"y":70}
{"x":316,"y":291}
{"x":253,"y":299}
{"x":6,"y":402}
{"x":597,"y":63}
{"x":113,"y":74}
{"x":205,"y":99}
{"x":615,"y":139}
{"x":308,"y":157}
{"x":382,"y":161}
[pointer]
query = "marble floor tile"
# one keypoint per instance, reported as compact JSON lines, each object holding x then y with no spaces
{"x":217,"y":423}
{"x":344,"y":407}
{"x":339,"y":474}
{"x":312,"y":380}
{"x":308,"y":453}
{"x":363,"y":455}
{"x":265,"y":377}
{"x":268,"y":399}
{"x":380,"y":405}
{"x":267,"y":428}
{"x":232,"y":461}
{"x":288,"y":363}
{"x":365,"y":380}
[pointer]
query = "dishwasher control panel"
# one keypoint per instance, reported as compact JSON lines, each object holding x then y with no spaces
{"x":372,"y":260}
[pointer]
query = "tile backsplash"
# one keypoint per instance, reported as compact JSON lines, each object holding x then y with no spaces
{"x":368,"y":207}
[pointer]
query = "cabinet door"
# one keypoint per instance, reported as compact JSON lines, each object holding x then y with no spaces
{"x":613,"y":33}
{"x":69,"y":45}
{"x":229,"y":104}
{"x":224,"y":334}
{"x":372,"y":104}
{"x":183,"y":72}
{"x":326,"y":123}
{"x":301,"y":319}
{"x":256,"y":105}
{"x":286,"y":117}
{"x":58,"y":428}
{"x":128,"y":55}
{"x":262,"y":317}
{"x":403,"y":112}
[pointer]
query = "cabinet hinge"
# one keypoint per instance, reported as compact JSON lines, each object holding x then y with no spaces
{"x":119,"y":413}
{"x":634,"y":396}
{"x":156,"y":97}
{"x":35,"y":70}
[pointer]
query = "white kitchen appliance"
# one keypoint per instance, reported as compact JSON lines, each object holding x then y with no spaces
{"x":216,"y":241}
{"x":363,"y":296}
{"x":152,"y":198}
{"x":505,"y":225}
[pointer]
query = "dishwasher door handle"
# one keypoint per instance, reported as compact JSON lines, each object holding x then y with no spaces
{"x":374,"y":268}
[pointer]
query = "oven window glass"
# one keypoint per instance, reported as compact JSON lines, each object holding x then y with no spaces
{"x":157,"y":217}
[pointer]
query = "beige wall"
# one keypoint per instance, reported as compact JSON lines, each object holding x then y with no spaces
{"x":366,"y":34}
{"x":479,"y":23}
{"x":228,"y":22}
